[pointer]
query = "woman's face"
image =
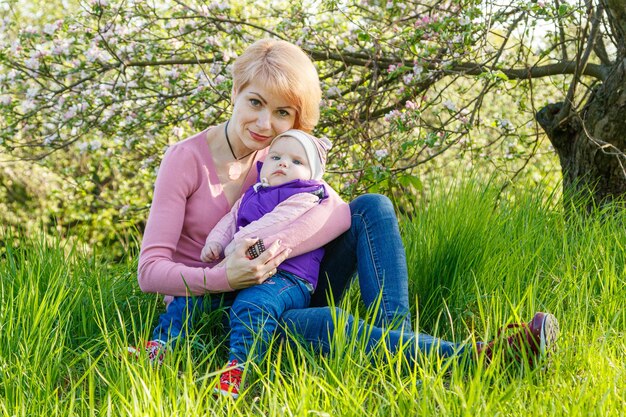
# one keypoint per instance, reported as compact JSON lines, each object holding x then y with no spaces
{"x":259,"y":114}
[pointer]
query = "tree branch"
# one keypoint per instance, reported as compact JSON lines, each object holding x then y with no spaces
{"x":593,"y":70}
{"x":616,"y":13}
{"x":581,"y":63}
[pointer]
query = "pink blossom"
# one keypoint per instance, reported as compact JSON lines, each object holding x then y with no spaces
{"x":411,"y":105}
{"x":393,"y":115}
{"x":101,"y":3}
{"x":70,"y":113}
{"x":424,"y":21}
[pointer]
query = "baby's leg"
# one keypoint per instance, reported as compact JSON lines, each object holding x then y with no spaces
{"x":254,"y":314}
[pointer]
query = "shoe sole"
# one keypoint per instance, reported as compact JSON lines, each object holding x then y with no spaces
{"x":549,"y":333}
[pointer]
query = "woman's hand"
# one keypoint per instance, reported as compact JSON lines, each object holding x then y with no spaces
{"x":243,"y":272}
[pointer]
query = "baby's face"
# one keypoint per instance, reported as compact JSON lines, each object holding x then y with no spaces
{"x":286,"y":161}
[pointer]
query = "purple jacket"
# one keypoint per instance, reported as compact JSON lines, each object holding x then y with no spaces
{"x":256,"y":203}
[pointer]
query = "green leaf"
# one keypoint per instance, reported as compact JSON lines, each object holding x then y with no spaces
{"x":364,"y":36}
{"x":408,"y":180}
{"x":501,"y":75}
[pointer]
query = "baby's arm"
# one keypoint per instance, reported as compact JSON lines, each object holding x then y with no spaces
{"x":211,"y":251}
{"x":315,"y":228}
{"x":280,"y":217}
{"x":221,"y":235}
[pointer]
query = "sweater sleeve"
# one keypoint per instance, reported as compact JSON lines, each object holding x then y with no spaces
{"x":282,"y":216}
{"x":224,"y":230}
{"x":314,"y":228}
{"x":158,"y":270}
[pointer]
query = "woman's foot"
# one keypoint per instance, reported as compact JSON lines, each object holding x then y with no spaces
{"x":531,"y":342}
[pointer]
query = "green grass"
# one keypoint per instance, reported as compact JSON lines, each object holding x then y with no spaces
{"x":476,"y":263}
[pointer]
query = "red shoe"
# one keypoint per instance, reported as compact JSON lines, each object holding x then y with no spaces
{"x":532,"y":341}
{"x":155,"y":349}
{"x":230,"y":380}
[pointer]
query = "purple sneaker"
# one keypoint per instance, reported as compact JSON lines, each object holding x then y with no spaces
{"x":531,"y":341}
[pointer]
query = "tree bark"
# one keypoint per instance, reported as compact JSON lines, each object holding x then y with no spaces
{"x":591,"y":143}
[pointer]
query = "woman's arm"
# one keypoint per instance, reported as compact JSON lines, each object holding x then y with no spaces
{"x":178,"y":178}
{"x":161,"y":269}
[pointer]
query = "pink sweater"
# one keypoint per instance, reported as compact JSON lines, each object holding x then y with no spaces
{"x":189,"y":201}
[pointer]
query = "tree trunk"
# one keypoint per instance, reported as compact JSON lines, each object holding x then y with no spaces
{"x":591,"y":144}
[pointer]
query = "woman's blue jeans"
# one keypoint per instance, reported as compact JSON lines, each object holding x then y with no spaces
{"x":253,"y":318}
{"x":373,"y":249}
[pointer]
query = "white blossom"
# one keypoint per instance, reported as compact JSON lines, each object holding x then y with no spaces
{"x":51,"y":28}
{"x":448,"y":104}
{"x":32,"y":63}
{"x":50,"y":139}
{"x":70,"y":113}
{"x":32,"y":92}
{"x":333,"y":92}
{"x":61,"y":48}
{"x":173,"y":73}
{"x":381,"y":153}
{"x":505,"y":124}
{"x":82,"y":146}
{"x":177,"y":131}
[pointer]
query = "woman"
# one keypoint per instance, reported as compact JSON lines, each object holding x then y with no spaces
{"x":276,"y":88}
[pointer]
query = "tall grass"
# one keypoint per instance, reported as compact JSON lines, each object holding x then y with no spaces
{"x":476,"y":263}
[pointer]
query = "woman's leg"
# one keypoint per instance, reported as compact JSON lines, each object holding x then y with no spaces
{"x":373,"y":248}
{"x":316,"y":327}
{"x":178,"y":318}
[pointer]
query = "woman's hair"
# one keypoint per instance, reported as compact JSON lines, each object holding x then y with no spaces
{"x":286,"y":69}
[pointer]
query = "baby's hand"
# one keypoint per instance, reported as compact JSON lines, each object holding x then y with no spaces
{"x":211,"y":252}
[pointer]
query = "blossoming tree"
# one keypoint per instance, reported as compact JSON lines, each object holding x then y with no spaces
{"x":98,"y":95}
